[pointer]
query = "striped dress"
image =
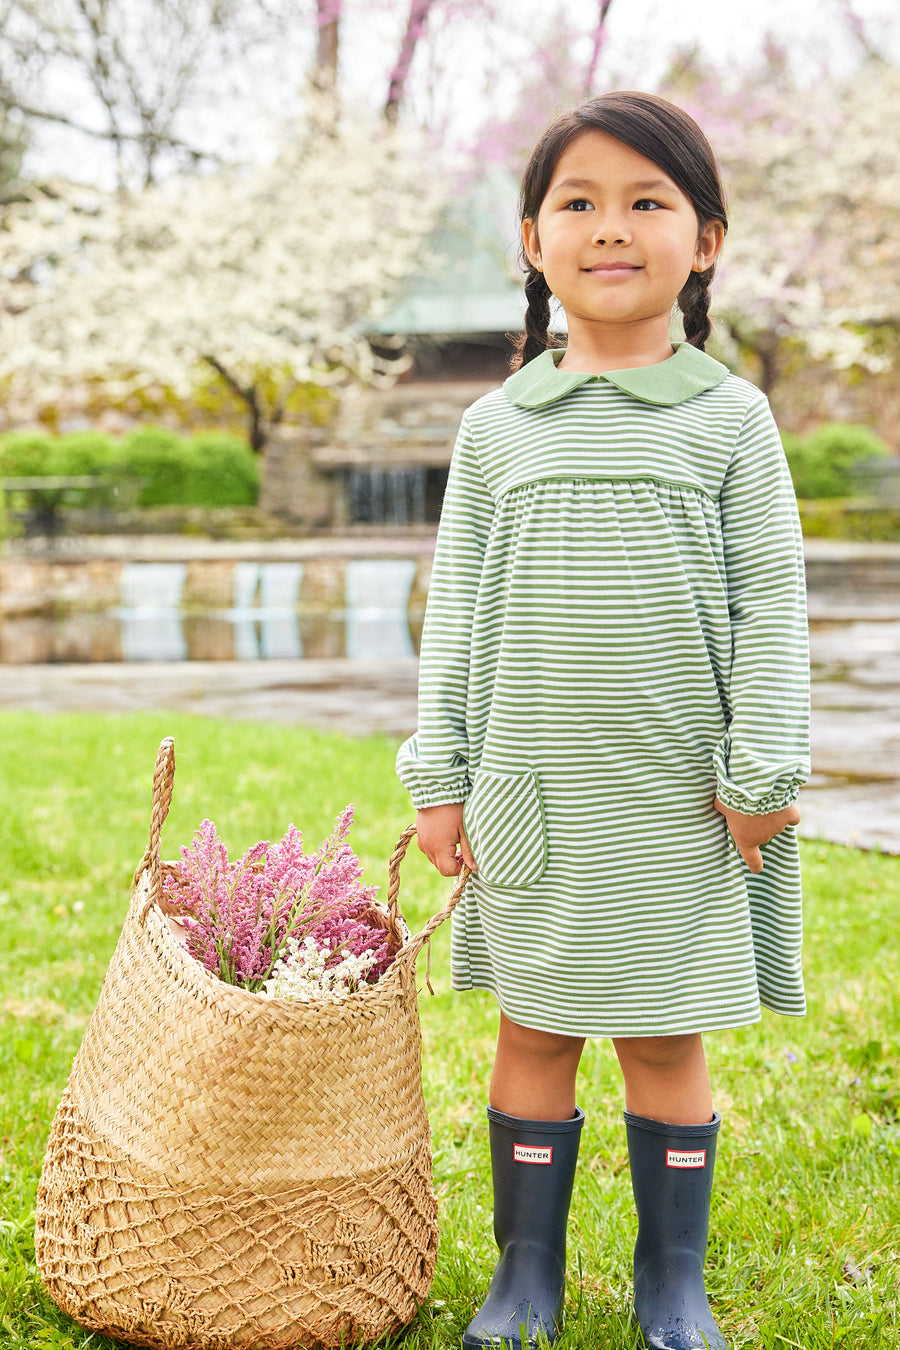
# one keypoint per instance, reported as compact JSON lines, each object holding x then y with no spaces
{"x":615,"y":633}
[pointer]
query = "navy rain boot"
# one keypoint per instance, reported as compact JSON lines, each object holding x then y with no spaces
{"x":533,"y":1168}
{"x":672,"y":1176}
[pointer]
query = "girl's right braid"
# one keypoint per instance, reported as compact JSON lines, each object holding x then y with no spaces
{"x":536,"y":338}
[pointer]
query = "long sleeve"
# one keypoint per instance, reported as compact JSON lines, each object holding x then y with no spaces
{"x":763,"y":759}
{"x":434,"y":764}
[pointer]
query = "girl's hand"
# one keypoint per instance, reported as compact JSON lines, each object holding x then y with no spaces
{"x":748,"y":832}
{"x":441,"y":837}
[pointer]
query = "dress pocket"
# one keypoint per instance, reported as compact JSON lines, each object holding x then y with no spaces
{"x":504,"y":824}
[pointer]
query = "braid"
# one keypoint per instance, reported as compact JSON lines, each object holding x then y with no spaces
{"x":536,"y":337}
{"x":693,"y":301}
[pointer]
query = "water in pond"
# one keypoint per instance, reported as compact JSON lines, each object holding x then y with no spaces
{"x":266,"y":620}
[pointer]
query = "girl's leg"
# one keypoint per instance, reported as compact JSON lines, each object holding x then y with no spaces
{"x":672,"y":1131}
{"x":534,"y":1073}
{"x":534,"y":1128}
{"x":666,"y":1078}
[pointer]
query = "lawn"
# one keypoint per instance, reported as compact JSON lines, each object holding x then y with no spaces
{"x":806,"y":1214}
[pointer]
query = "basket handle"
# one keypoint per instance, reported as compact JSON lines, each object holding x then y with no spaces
{"x":406,"y":957}
{"x":163,"y":778}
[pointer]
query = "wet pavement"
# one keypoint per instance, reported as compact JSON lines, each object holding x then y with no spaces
{"x":354,"y":696}
{"x":854,"y":794}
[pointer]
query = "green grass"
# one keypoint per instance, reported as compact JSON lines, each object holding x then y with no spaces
{"x":806,"y":1218}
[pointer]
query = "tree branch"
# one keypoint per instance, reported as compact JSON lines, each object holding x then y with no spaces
{"x":7,"y":102}
{"x":857,"y":26}
{"x":599,"y":43}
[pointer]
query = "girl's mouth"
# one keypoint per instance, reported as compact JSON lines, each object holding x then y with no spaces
{"x":612,"y":270}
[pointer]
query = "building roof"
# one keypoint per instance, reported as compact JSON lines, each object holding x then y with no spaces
{"x":473,"y":283}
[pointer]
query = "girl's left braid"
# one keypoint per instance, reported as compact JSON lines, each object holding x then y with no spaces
{"x":694,"y":305}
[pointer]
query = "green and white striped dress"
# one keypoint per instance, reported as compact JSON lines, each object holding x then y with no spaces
{"x":615,"y":632}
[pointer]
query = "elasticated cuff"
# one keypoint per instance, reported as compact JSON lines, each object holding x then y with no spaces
{"x":777,"y":800}
{"x":438,"y":796}
{"x":430,"y":784}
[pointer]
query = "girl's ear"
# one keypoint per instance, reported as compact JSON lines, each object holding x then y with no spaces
{"x":709,"y":245}
{"x":531,"y":243}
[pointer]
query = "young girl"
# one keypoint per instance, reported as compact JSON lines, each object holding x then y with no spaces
{"x":613,"y":708}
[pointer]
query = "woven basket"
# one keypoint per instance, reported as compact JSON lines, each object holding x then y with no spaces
{"x":231,"y":1170}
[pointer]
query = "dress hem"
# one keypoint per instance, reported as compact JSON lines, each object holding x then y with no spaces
{"x":699,"y":1027}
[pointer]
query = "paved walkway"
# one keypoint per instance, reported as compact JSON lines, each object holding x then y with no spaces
{"x":357,"y":697}
{"x":854,"y":795}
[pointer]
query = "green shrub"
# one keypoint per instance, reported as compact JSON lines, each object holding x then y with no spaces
{"x":822,"y":464}
{"x":83,"y":452}
{"x":39,"y":454}
{"x":80,"y":454}
{"x":156,"y":457}
{"x":225,"y":471}
{"x":152,"y":466}
{"x":210,"y":469}
{"x":27,"y":454}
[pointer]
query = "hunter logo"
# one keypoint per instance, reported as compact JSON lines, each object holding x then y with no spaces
{"x":526,"y":1153}
{"x":675,"y":1158}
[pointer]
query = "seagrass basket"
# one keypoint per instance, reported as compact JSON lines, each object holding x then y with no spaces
{"x":231,"y":1170}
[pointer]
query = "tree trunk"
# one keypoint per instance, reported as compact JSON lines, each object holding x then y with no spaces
{"x":766,"y":348}
{"x":328,"y":20}
{"x":769,"y":365}
{"x":258,"y":432}
{"x":415,"y":29}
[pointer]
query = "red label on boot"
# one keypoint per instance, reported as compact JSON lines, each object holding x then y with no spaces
{"x":526,"y":1153}
{"x":675,"y":1158}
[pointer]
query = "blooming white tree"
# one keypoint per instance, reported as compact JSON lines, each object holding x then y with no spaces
{"x":266,"y":275}
{"x":813,"y":179}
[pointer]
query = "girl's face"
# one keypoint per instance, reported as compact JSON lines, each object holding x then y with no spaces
{"x":615,"y":238}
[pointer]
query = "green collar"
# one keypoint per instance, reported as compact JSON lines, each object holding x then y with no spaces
{"x":688,"y":373}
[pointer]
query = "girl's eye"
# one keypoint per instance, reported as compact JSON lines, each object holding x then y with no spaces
{"x":645,"y":204}
{"x":579,"y":205}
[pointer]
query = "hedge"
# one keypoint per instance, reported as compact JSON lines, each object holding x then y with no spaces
{"x":825,"y":462}
{"x":150,"y":467}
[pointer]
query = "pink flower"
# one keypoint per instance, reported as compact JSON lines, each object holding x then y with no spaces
{"x":240,"y":915}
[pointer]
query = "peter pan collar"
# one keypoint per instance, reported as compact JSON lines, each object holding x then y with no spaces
{"x":688,"y":373}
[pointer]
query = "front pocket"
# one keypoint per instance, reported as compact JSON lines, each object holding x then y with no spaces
{"x":504,"y":823}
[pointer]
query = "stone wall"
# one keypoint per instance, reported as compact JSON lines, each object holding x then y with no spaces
{"x":407,"y":426}
{"x":293,"y":487}
{"x":35,"y":586}
{"x":41,"y":586}
{"x":65,"y":610}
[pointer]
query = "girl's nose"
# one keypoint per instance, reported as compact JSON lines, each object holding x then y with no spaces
{"x":611,"y":232}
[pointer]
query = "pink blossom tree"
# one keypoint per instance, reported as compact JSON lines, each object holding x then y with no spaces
{"x":812,"y":259}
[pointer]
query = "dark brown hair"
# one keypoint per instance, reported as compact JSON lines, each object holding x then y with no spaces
{"x":661,"y":132}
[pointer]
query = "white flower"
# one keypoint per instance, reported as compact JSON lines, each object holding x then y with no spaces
{"x":302,"y":973}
